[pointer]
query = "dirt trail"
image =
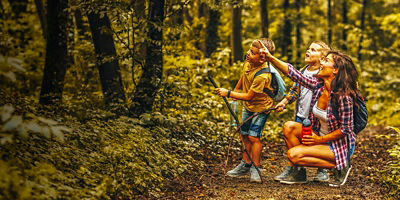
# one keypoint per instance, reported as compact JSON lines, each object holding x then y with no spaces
{"x":368,"y":161}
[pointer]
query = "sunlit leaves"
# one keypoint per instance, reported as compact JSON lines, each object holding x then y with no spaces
{"x":13,"y":125}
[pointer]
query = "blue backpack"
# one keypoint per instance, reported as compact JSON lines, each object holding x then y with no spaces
{"x":277,"y":83}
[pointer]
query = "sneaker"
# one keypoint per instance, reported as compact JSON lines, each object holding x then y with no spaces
{"x":239,"y":170}
{"x":254,"y":176}
{"x":284,"y":174}
{"x":322,"y":175}
{"x":340,"y":176}
{"x":297,"y":175}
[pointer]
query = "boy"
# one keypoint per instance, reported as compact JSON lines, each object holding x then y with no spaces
{"x":254,"y":100}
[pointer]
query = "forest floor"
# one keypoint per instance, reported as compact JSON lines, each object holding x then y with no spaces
{"x":369,"y":163}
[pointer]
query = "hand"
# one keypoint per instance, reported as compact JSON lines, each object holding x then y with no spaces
{"x":312,"y":139}
{"x":264,"y":50}
{"x":221,"y":92}
{"x":280,"y":106}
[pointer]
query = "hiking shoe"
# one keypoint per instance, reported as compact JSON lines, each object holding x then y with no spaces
{"x":340,"y":176}
{"x":284,"y":174}
{"x":254,"y":176}
{"x":240,"y":170}
{"x":296,"y":176}
{"x":322,"y":175}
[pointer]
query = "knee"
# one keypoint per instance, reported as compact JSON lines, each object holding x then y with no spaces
{"x":288,"y":128}
{"x":294,"y":155}
{"x":254,"y":140}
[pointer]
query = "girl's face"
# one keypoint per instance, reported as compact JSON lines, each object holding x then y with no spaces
{"x":313,"y":55}
{"x":327,"y":67}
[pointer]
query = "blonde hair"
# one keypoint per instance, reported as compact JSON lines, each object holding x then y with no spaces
{"x":324,"y":47}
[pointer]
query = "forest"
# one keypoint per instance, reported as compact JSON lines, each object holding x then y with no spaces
{"x":110,"y":99}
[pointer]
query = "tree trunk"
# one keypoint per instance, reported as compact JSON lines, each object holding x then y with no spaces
{"x":42,"y":16}
{"x":362,"y":27}
{"x":329,"y":22}
{"x":212,"y":38}
{"x":298,"y":32}
{"x":56,"y":63}
{"x":139,"y":48}
{"x":287,"y":30}
{"x":199,"y":29}
{"x":237,"y":31}
{"x":345,"y":22}
{"x":264,"y":18}
{"x":153,"y":69}
{"x":110,"y":75}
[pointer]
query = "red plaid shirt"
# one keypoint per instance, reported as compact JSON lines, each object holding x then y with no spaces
{"x":344,"y":123}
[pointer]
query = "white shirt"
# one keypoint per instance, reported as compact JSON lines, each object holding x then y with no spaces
{"x":322,"y":115}
{"x":304,"y":100}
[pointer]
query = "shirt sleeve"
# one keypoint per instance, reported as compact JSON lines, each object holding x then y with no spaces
{"x":346,"y":117}
{"x":293,"y":94}
{"x":306,"y":81}
{"x":260,"y":82}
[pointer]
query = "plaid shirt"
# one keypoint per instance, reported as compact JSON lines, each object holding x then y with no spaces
{"x":344,"y":123}
{"x":294,"y":93}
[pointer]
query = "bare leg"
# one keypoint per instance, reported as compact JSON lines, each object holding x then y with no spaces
{"x":313,"y":156}
{"x":256,"y":149}
{"x":247,"y":142}
{"x":292,"y":135}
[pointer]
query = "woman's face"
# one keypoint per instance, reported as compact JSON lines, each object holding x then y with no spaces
{"x":313,"y":55}
{"x":327,"y":66}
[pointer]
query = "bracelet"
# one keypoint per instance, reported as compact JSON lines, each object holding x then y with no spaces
{"x":229,"y":94}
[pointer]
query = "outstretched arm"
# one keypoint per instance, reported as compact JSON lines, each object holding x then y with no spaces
{"x":282,"y":66}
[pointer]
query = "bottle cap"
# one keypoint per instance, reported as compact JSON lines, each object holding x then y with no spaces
{"x":306,"y":122}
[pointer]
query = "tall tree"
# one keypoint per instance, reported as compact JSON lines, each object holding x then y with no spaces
{"x":237,"y":48}
{"x":329,"y":22}
{"x":56,"y":63}
{"x":362,"y":28}
{"x":287,"y":30}
{"x":299,"y":24}
{"x":139,"y":48}
{"x":212,"y":38}
{"x":42,"y":16}
{"x":153,"y":69}
{"x":345,"y":22}
{"x":198,"y":30}
{"x":264,"y":18}
{"x":110,"y":75}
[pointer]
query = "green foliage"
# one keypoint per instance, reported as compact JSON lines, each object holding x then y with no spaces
{"x":392,"y":178}
{"x":105,"y":156}
{"x":12,"y":125}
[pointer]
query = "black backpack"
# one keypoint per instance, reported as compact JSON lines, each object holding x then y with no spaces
{"x":360,"y":114}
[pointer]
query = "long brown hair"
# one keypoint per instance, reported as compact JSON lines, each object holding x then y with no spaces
{"x":345,"y":82}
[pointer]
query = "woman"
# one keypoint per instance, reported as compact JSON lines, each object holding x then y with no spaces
{"x":303,"y":96}
{"x":333,"y":140}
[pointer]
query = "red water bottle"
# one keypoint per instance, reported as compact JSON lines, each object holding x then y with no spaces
{"x":306,"y":129}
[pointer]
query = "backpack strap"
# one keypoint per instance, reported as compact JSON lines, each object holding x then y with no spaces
{"x":264,"y":71}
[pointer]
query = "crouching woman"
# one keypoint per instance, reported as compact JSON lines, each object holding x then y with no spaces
{"x":333,"y":140}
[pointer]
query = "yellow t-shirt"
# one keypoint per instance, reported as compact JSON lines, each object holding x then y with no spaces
{"x":261,"y":100}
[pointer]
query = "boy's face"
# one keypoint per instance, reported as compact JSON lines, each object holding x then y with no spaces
{"x":313,"y":54}
{"x":253,"y":56}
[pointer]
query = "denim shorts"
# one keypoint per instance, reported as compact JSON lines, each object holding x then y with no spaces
{"x":300,"y":119}
{"x":255,"y":126}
